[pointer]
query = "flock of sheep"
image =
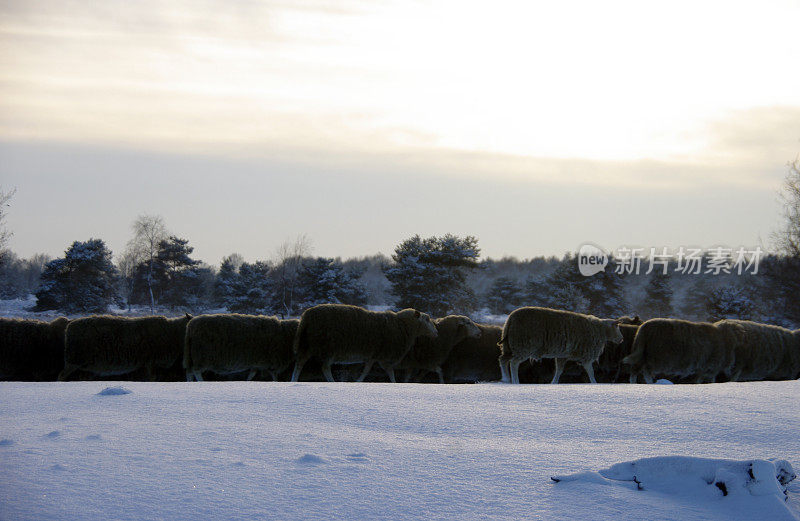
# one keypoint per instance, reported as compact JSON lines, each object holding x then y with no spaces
{"x":534,"y":346}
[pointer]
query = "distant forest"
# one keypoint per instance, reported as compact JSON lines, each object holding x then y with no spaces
{"x":157,"y":273}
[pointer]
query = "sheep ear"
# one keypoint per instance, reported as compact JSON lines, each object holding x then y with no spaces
{"x":188,"y":316}
{"x":417,"y":314}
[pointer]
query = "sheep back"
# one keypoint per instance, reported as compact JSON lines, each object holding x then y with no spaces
{"x":345,"y":334}
{"x":535,"y":333}
{"x":31,"y":349}
{"x":231,"y":343}
{"x":111,"y":345}
{"x":673,"y":347}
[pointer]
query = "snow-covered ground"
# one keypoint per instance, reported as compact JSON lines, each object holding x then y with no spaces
{"x":257,"y":450}
{"x":22,"y":308}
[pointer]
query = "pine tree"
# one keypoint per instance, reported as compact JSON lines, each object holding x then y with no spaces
{"x":429,"y":274}
{"x":251,"y":289}
{"x":563,"y":288}
{"x":696,"y":298}
{"x":226,"y":278}
{"x":177,"y":274}
{"x":658,"y":295}
{"x":84,"y":280}
{"x":730,"y":302}
{"x":172,"y":279}
{"x":504,"y":296}
{"x":604,"y":293}
{"x":323,"y":280}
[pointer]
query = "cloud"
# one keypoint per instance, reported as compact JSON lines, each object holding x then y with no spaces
{"x":442,"y":87}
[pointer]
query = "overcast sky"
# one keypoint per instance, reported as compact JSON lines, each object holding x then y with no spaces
{"x":535,"y":128}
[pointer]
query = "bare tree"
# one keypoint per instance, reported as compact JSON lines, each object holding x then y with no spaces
{"x":788,"y":239}
{"x":5,"y":234}
{"x":289,"y":257}
{"x":148,"y":232}
{"x":127,"y":263}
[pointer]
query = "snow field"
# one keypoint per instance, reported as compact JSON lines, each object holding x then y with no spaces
{"x":263,"y":450}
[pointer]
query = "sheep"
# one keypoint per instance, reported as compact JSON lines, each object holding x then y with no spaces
{"x":791,"y":360}
{"x":232,"y":343}
{"x":31,"y":349}
{"x":534,"y":333}
{"x":428,"y":354}
{"x":338,"y":333}
{"x":610,"y":364}
{"x":474,"y":359}
{"x":760,"y":349}
{"x":673,"y":347}
{"x":109,"y":345}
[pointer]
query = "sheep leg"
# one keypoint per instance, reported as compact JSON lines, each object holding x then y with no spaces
{"x":365,"y":372}
{"x":633,"y":378}
{"x":409,"y":374}
{"x":390,"y":371}
{"x":440,"y":373}
{"x":648,"y":378}
{"x":68,"y":370}
{"x":251,"y":375}
{"x":505,"y":375}
{"x":589,"y":371}
{"x":198,"y":375}
{"x":326,"y":371}
{"x":513,"y":368}
{"x":298,"y":366}
{"x":559,"y":369}
{"x":189,"y":376}
{"x":274,"y":376}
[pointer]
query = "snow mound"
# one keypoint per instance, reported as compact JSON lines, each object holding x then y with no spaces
{"x":663,"y":381}
{"x":697,"y":477}
{"x":116,"y":390}
{"x":310,"y":459}
{"x":6,"y":442}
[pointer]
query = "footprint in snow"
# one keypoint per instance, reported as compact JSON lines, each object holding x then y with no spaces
{"x":5,"y":442}
{"x":310,"y":459}
{"x":53,"y":434}
{"x":358,"y":457}
{"x":58,"y":466}
{"x":93,"y":437}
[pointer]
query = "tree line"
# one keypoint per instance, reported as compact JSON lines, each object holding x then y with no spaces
{"x":437,"y":275}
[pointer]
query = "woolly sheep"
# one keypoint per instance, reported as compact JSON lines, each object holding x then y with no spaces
{"x":428,"y":354}
{"x":679,"y":348}
{"x":610,"y":365}
{"x":760,"y":349}
{"x":108,"y":345}
{"x":232,"y":343}
{"x":338,"y":333}
{"x":791,"y":360}
{"x":534,"y":333}
{"x":474,"y":359}
{"x":31,"y":349}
